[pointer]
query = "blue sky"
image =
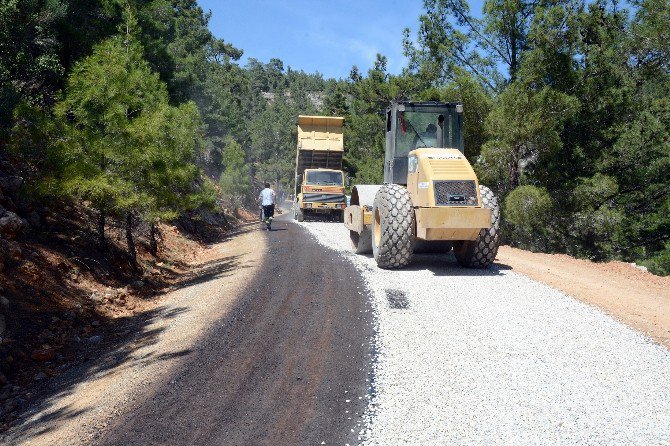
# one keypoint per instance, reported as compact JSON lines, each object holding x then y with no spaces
{"x":328,"y":37}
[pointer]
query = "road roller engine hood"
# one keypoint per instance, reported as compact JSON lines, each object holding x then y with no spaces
{"x":441,"y":177}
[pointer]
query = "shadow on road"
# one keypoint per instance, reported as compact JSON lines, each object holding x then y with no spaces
{"x":447,"y":265}
{"x":91,"y":360}
{"x":239,"y":230}
{"x":208,"y":271}
{"x":56,"y":415}
{"x":112,"y":348}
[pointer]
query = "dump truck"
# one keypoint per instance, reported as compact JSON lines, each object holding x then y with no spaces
{"x":319,"y":180}
{"x":431,"y":196}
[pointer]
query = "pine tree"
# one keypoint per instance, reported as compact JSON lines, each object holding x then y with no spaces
{"x":127,"y":151}
{"x":235,"y":181}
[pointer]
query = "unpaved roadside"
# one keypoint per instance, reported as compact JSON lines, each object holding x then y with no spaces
{"x":269,"y":341}
{"x":491,"y":357}
{"x":290,"y":365}
{"x":635,"y":297}
{"x":80,"y":412}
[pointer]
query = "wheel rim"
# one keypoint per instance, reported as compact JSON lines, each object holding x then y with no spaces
{"x":378,"y":229}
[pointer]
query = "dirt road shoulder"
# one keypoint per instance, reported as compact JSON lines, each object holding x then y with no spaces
{"x":84,"y":403}
{"x":634,"y":297}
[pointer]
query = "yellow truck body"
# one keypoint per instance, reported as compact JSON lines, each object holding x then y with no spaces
{"x":319,"y":180}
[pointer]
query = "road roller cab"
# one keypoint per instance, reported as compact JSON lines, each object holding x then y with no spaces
{"x":431,"y":195}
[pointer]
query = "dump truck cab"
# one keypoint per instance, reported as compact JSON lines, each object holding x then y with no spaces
{"x":319,"y":180}
{"x":431,"y":193}
{"x":322,"y":191}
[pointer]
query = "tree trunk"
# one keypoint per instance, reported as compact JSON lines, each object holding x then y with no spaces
{"x":514,"y":174}
{"x":102,"y":243}
{"x":513,"y":44}
{"x":129,"y":240}
{"x":513,"y":62}
{"x":153,"y":243}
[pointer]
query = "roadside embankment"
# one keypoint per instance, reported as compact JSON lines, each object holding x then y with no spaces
{"x":137,"y":353}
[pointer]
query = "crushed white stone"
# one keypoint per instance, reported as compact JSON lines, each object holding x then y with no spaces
{"x":493,"y":358}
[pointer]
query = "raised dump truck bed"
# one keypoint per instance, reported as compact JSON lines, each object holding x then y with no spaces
{"x":320,"y":143}
{"x":319,"y":180}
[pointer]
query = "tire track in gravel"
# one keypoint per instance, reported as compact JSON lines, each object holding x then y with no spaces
{"x":490,"y":357}
{"x":291,"y":365}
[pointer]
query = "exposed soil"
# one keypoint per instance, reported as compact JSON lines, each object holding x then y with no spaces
{"x":243,"y":351}
{"x":138,"y":352}
{"x":63,"y":299}
{"x":633,"y":296}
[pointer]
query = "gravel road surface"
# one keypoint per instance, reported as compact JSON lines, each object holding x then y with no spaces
{"x":287,"y":338}
{"x":269,"y":342}
{"x":632,"y":295}
{"x":289,"y":366}
{"x":466,"y":357}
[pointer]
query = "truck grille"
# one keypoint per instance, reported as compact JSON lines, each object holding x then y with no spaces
{"x":323,"y":198}
{"x":455,"y":193}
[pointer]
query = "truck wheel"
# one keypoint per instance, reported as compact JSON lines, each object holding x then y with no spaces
{"x":340,"y":216}
{"x":392,"y":227}
{"x":361,"y":243}
{"x":299,"y":215}
{"x":481,"y":252}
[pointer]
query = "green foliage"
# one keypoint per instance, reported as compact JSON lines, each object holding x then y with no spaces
{"x":116,"y":142}
{"x":593,"y":219}
{"x":235,"y":181}
{"x":528,"y":212}
{"x":166,"y":173}
{"x":221,"y":104}
{"x":640,"y":160}
{"x":99,"y":156}
{"x":659,"y":263}
{"x":364,"y":148}
{"x":39,"y":43}
{"x":336,"y":103}
{"x":525,"y":126}
{"x":29,"y":66}
{"x":566,"y":111}
{"x":451,"y":38}
{"x":650,"y":43}
{"x":592,"y":193}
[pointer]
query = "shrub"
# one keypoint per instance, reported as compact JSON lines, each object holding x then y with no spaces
{"x":527,"y":211}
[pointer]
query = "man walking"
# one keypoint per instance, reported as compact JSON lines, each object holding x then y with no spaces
{"x":266,"y":199}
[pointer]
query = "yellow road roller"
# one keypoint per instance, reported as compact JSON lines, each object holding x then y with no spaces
{"x":431,"y":198}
